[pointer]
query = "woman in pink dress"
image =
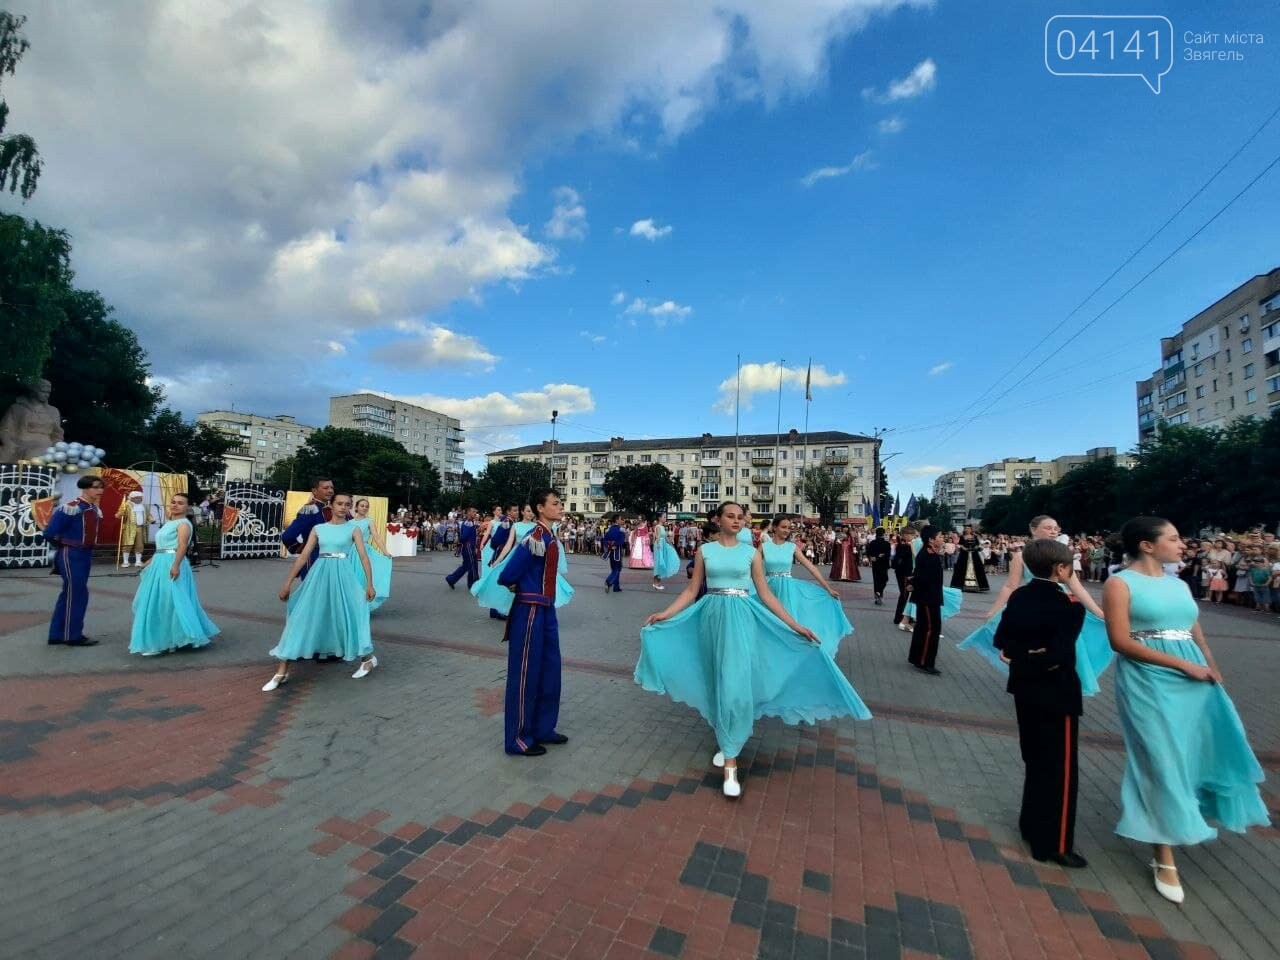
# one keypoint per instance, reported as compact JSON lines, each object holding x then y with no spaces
{"x":641,"y":551}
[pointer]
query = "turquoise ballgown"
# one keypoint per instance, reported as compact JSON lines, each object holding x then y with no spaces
{"x":328,"y":613}
{"x":379,"y":563}
{"x":666,"y":562}
{"x":1093,"y":648}
{"x":733,"y":661}
{"x":166,"y":612}
{"x":808,"y":603}
{"x":493,"y":595}
{"x":1187,"y":757}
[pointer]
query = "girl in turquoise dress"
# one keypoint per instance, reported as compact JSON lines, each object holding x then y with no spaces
{"x":486,"y":549}
{"x":166,"y":609}
{"x":1187,"y":758}
{"x":735,"y":657}
{"x":1093,"y":649}
{"x":493,"y":595}
{"x":816,"y":605}
{"x":328,"y":612}
{"x":666,"y":562}
{"x":379,"y":562}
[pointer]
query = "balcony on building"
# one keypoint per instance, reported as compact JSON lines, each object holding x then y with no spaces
{"x":596,"y":476}
{"x":833,"y":458}
{"x":762,"y":496}
{"x":763,"y":477}
{"x":596,"y":492}
{"x":762,"y":459}
{"x":711,"y":472}
{"x":710,"y":458}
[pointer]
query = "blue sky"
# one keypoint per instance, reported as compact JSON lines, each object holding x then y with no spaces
{"x":980,"y":203}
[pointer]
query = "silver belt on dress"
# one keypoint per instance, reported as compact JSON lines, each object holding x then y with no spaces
{"x":728,"y":592}
{"x":1161,"y":635}
{"x":166,"y":551}
{"x":779,"y":573}
{"x":333,"y":556}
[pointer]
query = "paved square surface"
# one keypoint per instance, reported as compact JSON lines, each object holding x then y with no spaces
{"x":165,"y":807}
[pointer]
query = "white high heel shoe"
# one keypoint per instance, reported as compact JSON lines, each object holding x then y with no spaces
{"x":1170,"y":891}
{"x":279,"y":680}
{"x":366,"y":668}
{"x":731,"y":786}
{"x":718,"y":759}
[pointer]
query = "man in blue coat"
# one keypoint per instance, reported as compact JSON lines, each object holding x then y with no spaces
{"x":313,"y":513}
{"x":73,"y":530}
{"x":469,"y":567}
{"x":615,"y":545}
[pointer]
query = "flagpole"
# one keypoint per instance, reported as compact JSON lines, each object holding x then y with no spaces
{"x":737,"y":412}
{"x":808,"y":399}
{"x":777,"y":437}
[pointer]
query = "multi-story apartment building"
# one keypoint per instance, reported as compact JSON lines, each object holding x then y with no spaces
{"x":1224,"y":363}
{"x":761,"y":470}
{"x":431,"y":434}
{"x":263,"y":441}
{"x":967,"y":490}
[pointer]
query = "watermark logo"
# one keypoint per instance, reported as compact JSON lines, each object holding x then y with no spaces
{"x":1109,"y":46}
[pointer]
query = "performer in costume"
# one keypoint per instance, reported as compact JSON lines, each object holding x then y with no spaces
{"x":312,"y":513}
{"x":73,"y":530}
{"x":132,"y":514}
{"x":971,"y":573}
{"x":926,"y":594}
{"x":500,"y":533}
{"x":466,"y":551}
{"x":533,"y":635}
{"x":379,"y":561}
{"x":641,"y":554}
{"x":166,"y":608}
{"x":666,"y":562}
{"x":1037,"y":635}
{"x":904,"y":561}
{"x":489,"y":590}
{"x":487,"y":530}
{"x":1187,"y":757}
{"x":879,"y":553}
{"x":844,"y":558}
{"x":328,"y":612}
{"x":734,"y":657}
{"x":747,"y":534}
{"x":614,"y":542}
{"x":1093,"y":649}
{"x":817,"y":606}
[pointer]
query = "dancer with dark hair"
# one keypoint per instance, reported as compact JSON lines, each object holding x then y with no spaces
{"x":970,"y":573}
{"x":817,"y":606}
{"x":491,"y":592}
{"x":1188,"y":759}
{"x":879,"y":553}
{"x":469,"y":565}
{"x":735,"y":657}
{"x":73,"y":531}
{"x":310,"y":515}
{"x":166,"y":608}
{"x":376,"y":549}
{"x":614,"y":542}
{"x":926,"y":594}
{"x":666,"y":562}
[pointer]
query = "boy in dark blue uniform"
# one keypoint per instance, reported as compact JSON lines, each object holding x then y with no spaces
{"x":615,"y":545}
{"x":533,"y":635}
{"x":469,"y":566}
{"x":73,"y":530}
{"x":312,"y":513}
{"x":1037,"y":635}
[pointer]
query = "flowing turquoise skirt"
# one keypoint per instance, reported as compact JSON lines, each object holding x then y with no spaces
{"x":380,"y":564}
{"x":733,"y":661}
{"x":1093,"y":649}
{"x":1188,"y":759}
{"x":952,"y":600}
{"x":666,"y":562}
{"x":328,"y":615}
{"x":813,"y":607}
{"x":486,"y":553}
{"x":167,"y":613}
{"x":490,"y":594}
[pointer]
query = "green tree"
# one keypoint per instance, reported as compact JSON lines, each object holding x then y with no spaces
{"x":643,"y":488}
{"x":1178,"y":476}
{"x":35,"y":276}
{"x":400,"y":476}
{"x":19,"y":159}
{"x":282,"y":473}
{"x":1090,"y":498}
{"x":359,"y":462}
{"x":934,"y":512}
{"x":824,"y":489}
{"x":196,"y":449}
{"x":1012,"y":513}
{"x":886,"y":501}
{"x":505,"y":482}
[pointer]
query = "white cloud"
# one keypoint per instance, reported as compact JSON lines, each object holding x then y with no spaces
{"x":335,"y":348}
{"x":282,"y":213}
{"x":619,"y":298}
{"x":668,"y":311}
{"x":569,"y":217}
{"x":861,"y":162}
{"x":891,"y":125}
{"x":938,"y":368}
{"x":922,"y":78}
{"x":763,"y":378}
{"x":649,"y":230}
{"x":924,"y":470}
{"x":592,"y":337}
{"x":432,"y":345}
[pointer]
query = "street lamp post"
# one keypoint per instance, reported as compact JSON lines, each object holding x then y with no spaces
{"x":554,"y":414}
{"x":880,"y":473}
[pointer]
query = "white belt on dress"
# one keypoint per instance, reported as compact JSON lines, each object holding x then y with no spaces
{"x":728,"y":592}
{"x":333,"y":556}
{"x":779,"y":573}
{"x":1161,"y":635}
{"x":166,"y":551}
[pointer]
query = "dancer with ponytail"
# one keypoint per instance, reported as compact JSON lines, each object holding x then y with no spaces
{"x":817,"y":606}
{"x":666,"y":562}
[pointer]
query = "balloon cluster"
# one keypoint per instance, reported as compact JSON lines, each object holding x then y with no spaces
{"x":70,"y":457}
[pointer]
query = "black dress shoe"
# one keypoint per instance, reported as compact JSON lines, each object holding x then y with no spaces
{"x":1071,"y":860}
{"x":82,"y":642}
{"x":56,"y":641}
{"x":555,"y":738}
{"x":537,"y":750}
{"x":932,"y":671}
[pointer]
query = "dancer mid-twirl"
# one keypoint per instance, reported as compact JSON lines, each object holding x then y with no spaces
{"x":376,"y":549}
{"x":817,"y":606}
{"x":666,"y":562}
{"x":166,"y":609}
{"x":735,"y":657}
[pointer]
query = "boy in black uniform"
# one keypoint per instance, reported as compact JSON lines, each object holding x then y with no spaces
{"x":926,"y":594}
{"x":1037,"y":635}
{"x":903,"y":563}
{"x":878,"y":551}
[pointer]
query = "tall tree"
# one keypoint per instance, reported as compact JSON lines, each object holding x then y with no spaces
{"x":825,"y":489}
{"x":1177,"y":476}
{"x":19,"y":159}
{"x":196,"y":449}
{"x":934,"y":512}
{"x":505,"y":482}
{"x":1090,"y":498}
{"x":643,"y":488}
{"x":35,"y":278}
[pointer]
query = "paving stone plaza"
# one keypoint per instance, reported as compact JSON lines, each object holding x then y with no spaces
{"x":166,"y":807}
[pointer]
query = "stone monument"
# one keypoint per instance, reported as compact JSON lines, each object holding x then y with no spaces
{"x":30,"y":426}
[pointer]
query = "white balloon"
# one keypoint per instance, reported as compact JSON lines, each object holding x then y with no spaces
{"x":102,"y":453}
{"x":60,"y":445}
{"x":74,"y":447}
{"x":98,"y":451}
{"x":60,"y":456}
{"x":49,"y":451}
{"x":95,"y":461}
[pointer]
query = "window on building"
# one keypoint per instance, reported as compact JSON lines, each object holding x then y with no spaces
{"x":1248,"y":371}
{"x":680,"y":474}
{"x":664,"y":458}
{"x":646,"y":458}
{"x":1250,"y":395}
{"x":1244,"y":322}
{"x":1199,"y":413}
{"x":573,"y":491}
{"x":782,"y":489}
{"x":1199,"y":392}
{"x":1198,"y":369}
{"x":630,"y":458}
{"x":1246,"y":345}
{"x":693,"y":474}
{"x":262,"y":443}
{"x":728,"y":491}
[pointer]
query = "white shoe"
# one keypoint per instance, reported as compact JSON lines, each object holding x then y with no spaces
{"x":1170,"y":891}
{"x":658,"y":586}
{"x":718,"y":759}
{"x":902,"y":626}
{"x":731,"y":786}
{"x":366,"y":668}
{"x":125,"y":561}
{"x":280,"y":679}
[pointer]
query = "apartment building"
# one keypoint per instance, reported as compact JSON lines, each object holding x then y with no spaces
{"x":429,"y":433}
{"x":262,"y":441}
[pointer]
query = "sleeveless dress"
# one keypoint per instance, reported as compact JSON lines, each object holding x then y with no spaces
{"x":811,"y":606}
{"x":733,"y":661}
{"x":666,"y":562}
{"x":952,"y":597}
{"x":746,"y":536}
{"x":1093,"y":648}
{"x":1187,"y":757}
{"x":494,"y":596}
{"x":328,"y":612}
{"x":167,"y":613}
{"x":641,"y":557}
{"x":379,"y":563}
